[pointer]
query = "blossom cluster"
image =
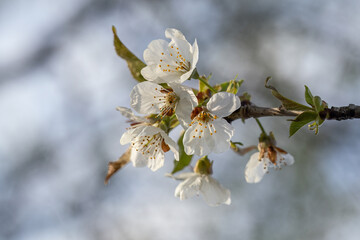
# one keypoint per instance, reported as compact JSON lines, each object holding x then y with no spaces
{"x":165,"y":102}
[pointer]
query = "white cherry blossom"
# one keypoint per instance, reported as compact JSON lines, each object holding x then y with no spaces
{"x":171,"y":62}
{"x":148,"y":98}
{"x":260,"y":162}
{"x":212,"y":191}
{"x":148,"y":146}
{"x":208,"y":131}
{"x":136,"y":123}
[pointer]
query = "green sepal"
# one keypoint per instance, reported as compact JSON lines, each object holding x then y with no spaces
{"x":309,"y":97}
{"x":184,"y":159}
{"x":134,"y":63}
{"x":301,"y":120}
{"x":287,"y":103}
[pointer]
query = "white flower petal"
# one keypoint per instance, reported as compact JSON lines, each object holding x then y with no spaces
{"x":138,"y":159}
{"x":203,"y":138}
{"x":188,"y":188}
{"x":156,"y":163}
{"x":255,"y":169}
{"x":131,"y":133}
{"x":195,"y":56}
{"x":288,"y":159}
{"x":153,"y":53}
{"x":187,"y":102}
{"x":213,"y":192}
{"x":127,"y":112}
{"x":172,"y":145}
{"x":174,"y":33}
{"x":182,"y":176}
{"x":223,"y":135}
{"x":149,"y":74}
{"x":145,"y":98}
{"x":195,"y":141}
{"x":223,"y":104}
{"x":184,"y":48}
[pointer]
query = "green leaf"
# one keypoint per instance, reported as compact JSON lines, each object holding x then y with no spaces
{"x":287,"y":103}
{"x":184,"y":159}
{"x":318,"y":104}
{"x":301,"y":120}
{"x":135,"y":64}
{"x":308,"y":96}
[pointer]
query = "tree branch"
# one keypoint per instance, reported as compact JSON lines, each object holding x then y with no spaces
{"x":249,"y":110}
{"x":342,"y":113}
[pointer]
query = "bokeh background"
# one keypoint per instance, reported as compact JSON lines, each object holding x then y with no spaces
{"x":60,"y":81}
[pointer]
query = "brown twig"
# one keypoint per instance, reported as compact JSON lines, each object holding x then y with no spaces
{"x":250,"y":110}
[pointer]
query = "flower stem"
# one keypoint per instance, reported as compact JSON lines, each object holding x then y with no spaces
{"x":260,"y":126}
{"x":203,"y":80}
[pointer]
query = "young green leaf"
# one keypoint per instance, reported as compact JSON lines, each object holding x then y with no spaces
{"x":135,"y":64}
{"x":318,"y":104}
{"x":301,"y":120}
{"x":287,"y":103}
{"x":308,"y":96}
{"x":184,"y":159}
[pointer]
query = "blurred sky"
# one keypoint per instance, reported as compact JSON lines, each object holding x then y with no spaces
{"x":60,"y":81}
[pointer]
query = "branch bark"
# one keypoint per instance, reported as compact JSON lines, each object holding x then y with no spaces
{"x":249,"y":110}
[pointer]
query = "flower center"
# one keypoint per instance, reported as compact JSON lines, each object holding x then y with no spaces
{"x":201,"y":114}
{"x":167,"y":102}
{"x":150,"y":146}
{"x":174,"y":61}
{"x":203,"y":120}
{"x":274,"y":154}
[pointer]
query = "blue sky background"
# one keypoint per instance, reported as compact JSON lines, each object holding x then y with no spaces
{"x":60,"y":81}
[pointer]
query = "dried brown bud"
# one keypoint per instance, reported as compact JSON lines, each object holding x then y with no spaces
{"x":113,"y":167}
